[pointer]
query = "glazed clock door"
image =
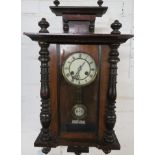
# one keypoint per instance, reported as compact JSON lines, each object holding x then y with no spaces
{"x":79,"y":88}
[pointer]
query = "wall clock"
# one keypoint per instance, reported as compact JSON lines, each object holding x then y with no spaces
{"x":78,"y":81}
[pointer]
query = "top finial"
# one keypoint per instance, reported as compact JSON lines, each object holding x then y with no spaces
{"x":56,"y":2}
{"x":43,"y":25}
{"x":116,"y":25}
{"x":100,"y":2}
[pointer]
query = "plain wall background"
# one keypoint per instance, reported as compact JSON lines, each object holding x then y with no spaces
{"x":32,"y":12}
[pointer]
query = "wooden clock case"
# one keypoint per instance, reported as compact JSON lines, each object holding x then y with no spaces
{"x":58,"y":97}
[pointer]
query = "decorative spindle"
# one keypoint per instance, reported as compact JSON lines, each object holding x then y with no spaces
{"x":92,"y":26}
{"x":56,"y":2}
{"x":44,"y":25}
{"x":65,"y":26}
{"x":45,"y":116}
{"x":100,"y":2}
{"x":112,"y":94}
{"x":116,"y":25}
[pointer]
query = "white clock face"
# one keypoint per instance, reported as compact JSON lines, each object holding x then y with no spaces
{"x":79,"y":69}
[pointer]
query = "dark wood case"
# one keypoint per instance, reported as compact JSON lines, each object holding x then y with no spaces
{"x":58,"y":96}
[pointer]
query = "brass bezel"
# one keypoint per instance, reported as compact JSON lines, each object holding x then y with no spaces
{"x":76,"y":84}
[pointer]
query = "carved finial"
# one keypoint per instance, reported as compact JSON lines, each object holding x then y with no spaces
{"x":100,"y":2}
{"x":43,"y":25}
{"x":56,"y":2}
{"x":116,"y":25}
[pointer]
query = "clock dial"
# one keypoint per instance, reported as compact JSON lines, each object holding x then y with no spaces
{"x":79,"y":111}
{"x":79,"y":69}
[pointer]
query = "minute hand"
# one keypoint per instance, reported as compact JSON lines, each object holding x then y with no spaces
{"x":79,"y":69}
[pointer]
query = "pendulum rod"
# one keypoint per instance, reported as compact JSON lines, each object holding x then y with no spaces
{"x":78,"y":95}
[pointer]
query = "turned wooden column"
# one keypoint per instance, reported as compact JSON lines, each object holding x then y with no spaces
{"x":112,"y":91}
{"x":45,"y":116}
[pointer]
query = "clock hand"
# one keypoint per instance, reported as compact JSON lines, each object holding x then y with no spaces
{"x":80,"y":70}
{"x":80,"y":67}
{"x":77,"y":73}
{"x":76,"y":76}
{"x":83,"y":64}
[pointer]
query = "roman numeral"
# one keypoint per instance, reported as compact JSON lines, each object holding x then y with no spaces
{"x":67,"y":75}
{"x":91,"y":75}
{"x":86,"y":57}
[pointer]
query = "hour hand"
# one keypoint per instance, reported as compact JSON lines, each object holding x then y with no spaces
{"x":76,"y":76}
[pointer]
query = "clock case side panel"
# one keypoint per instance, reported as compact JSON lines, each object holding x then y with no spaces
{"x":103,"y":84}
{"x":54,"y":85}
